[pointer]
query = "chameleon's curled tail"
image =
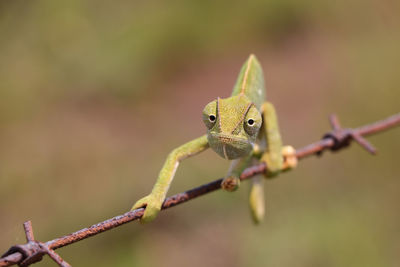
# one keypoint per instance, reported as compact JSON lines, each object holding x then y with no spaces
{"x":256,"y":199}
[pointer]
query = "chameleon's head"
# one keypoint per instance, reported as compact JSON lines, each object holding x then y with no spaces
{"x":233,"y":124}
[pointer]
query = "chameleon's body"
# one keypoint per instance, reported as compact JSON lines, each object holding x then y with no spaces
{"x":234,"y":125}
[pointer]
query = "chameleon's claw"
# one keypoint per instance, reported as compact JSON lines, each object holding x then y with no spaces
{"x":230,"y":184}
{"x":290,"y":159}
{"x":152,"y":205}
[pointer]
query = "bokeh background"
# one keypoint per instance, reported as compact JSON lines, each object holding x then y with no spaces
{"x":94,"y":95}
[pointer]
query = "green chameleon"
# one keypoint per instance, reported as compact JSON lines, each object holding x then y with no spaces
{"x":242,"y":128}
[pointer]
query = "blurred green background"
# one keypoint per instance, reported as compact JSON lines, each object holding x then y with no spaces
{"x":94,"y":94}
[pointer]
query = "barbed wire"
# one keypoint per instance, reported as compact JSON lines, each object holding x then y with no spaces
{"x":33,"y":251}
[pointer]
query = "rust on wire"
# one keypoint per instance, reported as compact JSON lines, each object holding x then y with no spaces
{"x":95,"y":229}
{"x":338,"y":138}
{"x":190,"y":194}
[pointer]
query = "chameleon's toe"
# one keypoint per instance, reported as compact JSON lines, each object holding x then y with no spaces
{"x":152,"y":205}
{"x":290,"y":158}
{"x":230,"y":184}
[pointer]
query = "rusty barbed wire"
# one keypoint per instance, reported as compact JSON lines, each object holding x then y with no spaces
{"x":337,"y":139}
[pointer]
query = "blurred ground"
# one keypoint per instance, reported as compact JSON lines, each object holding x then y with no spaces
{"x":93,"y":96}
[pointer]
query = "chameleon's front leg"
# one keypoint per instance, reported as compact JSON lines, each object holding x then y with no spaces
{"x":276,"y":157}
{"x":232,"y":182}
{"x":154,"y":200}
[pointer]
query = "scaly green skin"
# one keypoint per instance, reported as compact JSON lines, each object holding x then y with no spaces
{"x":234,"y":124}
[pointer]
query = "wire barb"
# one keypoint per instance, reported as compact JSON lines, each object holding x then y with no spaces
{"x":29,"y":231}
{"x":32,"y":251}
{"x":364,"y":143}
{"x":342,"y":137}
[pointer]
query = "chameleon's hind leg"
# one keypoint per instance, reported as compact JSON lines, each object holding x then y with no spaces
{"x":232,"y":182}
{"x":256,"y":199}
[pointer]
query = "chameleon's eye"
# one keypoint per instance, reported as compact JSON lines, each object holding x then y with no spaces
{"x":253,"y":121}
{"x":210,"y":114}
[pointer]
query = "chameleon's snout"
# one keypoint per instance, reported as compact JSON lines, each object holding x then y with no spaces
{"x":229,"y":146}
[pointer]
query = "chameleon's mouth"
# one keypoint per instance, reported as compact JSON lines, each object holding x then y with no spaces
{"x":229,"y":146}
{"x":224,"y":138}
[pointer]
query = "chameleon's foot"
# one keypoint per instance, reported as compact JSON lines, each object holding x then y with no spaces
{"x":152,"y":205}
{"x":290,"y":159}
{"x":230,"y":184}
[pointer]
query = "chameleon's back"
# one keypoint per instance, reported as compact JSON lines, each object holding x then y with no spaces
{"x":251,"y":82}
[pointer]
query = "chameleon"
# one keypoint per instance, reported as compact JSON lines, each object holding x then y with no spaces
{"x":242,"y":128}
